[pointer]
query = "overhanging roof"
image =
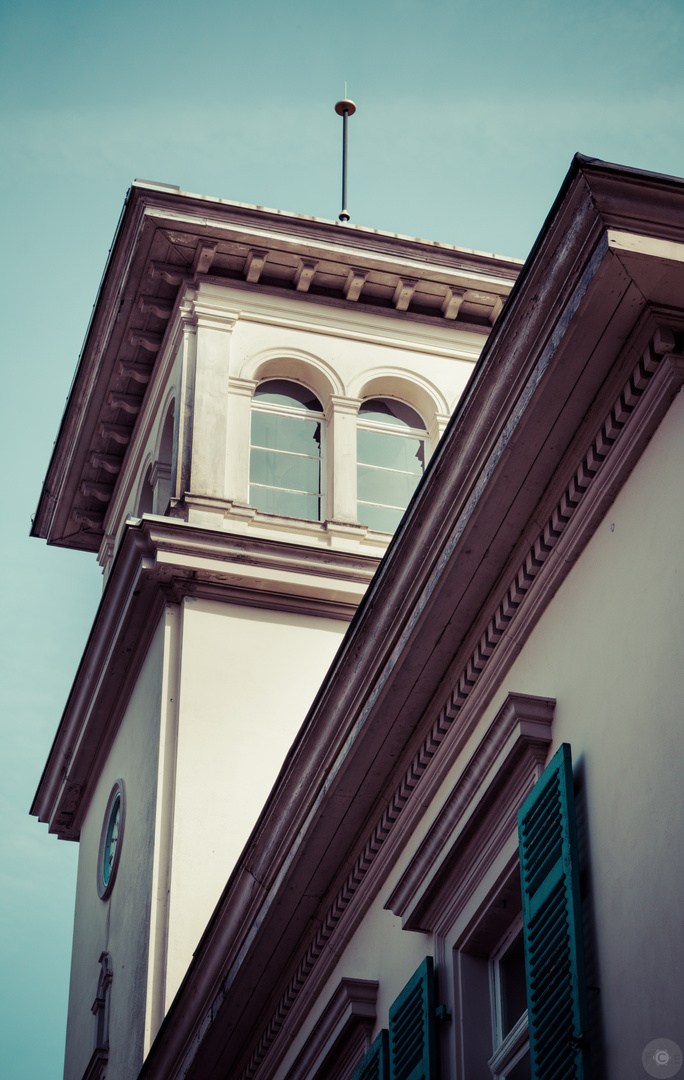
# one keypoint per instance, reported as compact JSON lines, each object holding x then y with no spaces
{"x":168,"y":239}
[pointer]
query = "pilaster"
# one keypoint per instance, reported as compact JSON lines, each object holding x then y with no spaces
{"x":203,"y":423}
{"x":341,"y":414}
{"x":240,"y":394}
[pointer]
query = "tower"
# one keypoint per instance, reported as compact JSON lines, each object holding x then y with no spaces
{"x":257,"y":397}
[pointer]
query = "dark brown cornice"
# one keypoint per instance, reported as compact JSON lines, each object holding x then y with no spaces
{"x":572,"y":383}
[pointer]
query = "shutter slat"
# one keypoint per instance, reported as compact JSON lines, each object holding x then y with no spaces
{"x":552,"y":925}
{"x":375,"y":1063}
{"x":412,"y":1044}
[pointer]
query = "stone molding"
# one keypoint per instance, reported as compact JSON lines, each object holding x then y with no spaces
{"x":96,"y":1069}
{"x":341,"y":1034}
{"x":515,"y":746}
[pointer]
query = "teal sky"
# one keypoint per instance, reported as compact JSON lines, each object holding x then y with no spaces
{"x":468,"y":116}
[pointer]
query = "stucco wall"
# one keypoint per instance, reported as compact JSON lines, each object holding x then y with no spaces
{"x":120,"y":924}
{"x":247,"y":679}
{"x":609,"y":649}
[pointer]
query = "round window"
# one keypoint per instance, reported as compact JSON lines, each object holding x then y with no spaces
{"x":110,"y":841}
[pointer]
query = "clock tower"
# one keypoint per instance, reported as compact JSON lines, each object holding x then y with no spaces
{"x":257,"y":397}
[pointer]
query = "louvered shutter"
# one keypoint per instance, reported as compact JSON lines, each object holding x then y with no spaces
{"x":552,"y":925}
{"x":375,"y":1063}
{"x":412,"y":1053}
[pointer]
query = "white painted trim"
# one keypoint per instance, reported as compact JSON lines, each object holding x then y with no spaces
{"x":352,"y":324}
{"x":156,"y":1002}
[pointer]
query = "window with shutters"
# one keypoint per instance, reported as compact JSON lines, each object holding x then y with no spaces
{"x":286,"y":449}
{"x":519,"y":974}
{"x":375,"y":1063}
{"x":490,"y":1001}
{"x":508,"y":995}
{"x":412,"y":1044}
{"x":552,"y":921}
{"x":407,"y":1049}
{"x":463,"y":885}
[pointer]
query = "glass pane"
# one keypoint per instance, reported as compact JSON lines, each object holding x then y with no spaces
{"x":283,"y":392}
{"x":289,"y":503}
{"x":387,"y":411}
{"x":284,"y":470}
{"x":286,"y":433}
{"x":390,"y":451}
{"x":513,"y":991}
{"x":389,"y":488}
{"x":379,"y":517}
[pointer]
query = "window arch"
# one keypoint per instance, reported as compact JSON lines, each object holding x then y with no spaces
{"x":286,"y":450}
{"x":391,"y":452}
{"x":146,"y":496}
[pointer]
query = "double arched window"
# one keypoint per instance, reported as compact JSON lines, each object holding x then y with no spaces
{"x":286,"y":457}
{"x":285,"y":450}
{"x":391,"y":445}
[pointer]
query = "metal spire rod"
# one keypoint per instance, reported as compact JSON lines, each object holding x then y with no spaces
{"x":344,"y":108}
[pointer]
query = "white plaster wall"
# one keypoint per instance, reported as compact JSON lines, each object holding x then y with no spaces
{"x":247,"y":679}
{"x":609,"y":649}
{"x":120,"y":924}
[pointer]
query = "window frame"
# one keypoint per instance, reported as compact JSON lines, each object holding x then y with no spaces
{"x":305,"y":416}
{"x":397,"y":431}
{"x":507,"y":1049}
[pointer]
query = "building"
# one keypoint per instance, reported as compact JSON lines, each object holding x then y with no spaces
{"x":208,"y":455}
{"x":468,"y":862}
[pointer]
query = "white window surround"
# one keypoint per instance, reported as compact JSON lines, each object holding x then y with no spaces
{"x":510,"y":1040}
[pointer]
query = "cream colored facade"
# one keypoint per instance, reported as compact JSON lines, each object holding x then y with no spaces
{"x":626,"y":737}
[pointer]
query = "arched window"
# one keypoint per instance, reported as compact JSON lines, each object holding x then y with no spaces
{"x":285,"y":450}
{"x":146,"y":499}
{"x":391,"y":440}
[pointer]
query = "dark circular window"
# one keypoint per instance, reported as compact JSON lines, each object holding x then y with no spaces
{"x":110,"y":841}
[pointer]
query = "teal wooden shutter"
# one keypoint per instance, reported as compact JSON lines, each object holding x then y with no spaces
{"x":412,"y":1043}
{"x":375,"y":1063}
{"x":554,"y":963}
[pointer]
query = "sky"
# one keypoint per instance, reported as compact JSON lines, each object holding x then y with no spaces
{"x":468,"y":116}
